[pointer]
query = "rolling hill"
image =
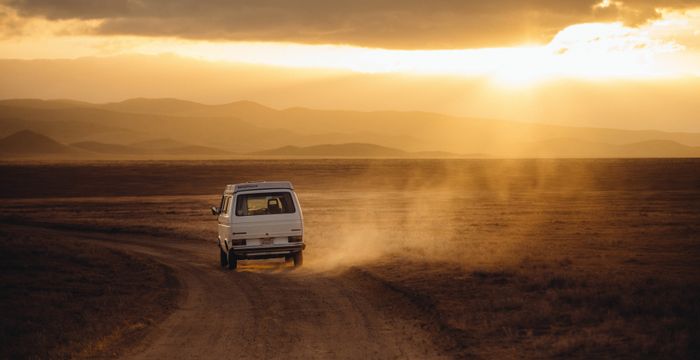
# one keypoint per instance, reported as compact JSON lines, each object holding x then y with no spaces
{"x":247,"y":127}
{"x":569,"y":148}
{"x":337,"y":150}
{"x":163,"y":143}
{"x":354,"y":150}
{"x":176,"y":149}
{"x":103,"y":148}
{"x":29,"y":143}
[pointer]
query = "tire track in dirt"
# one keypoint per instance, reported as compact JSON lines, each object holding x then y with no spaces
{"x":268,"y":310}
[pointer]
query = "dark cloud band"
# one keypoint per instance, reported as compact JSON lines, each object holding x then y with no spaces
{"x":405,"y":24}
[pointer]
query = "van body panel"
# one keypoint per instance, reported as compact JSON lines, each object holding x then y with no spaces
{"x":224,"y":219}
{"x":250,"y":231}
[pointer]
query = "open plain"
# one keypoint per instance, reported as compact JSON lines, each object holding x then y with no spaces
{"x":405,"y":259}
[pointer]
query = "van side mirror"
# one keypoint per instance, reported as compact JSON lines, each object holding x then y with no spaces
{"x":215,"y":210}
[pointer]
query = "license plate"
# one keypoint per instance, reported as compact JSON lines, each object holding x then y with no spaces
{"x":267,"y":241}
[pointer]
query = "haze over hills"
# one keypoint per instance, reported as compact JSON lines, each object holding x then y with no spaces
{"x":664,"y":104}
{"x":29,"y":144}
{"x":579,"y":148}
{"x":352,"y":150}
{"x":138,"y":126}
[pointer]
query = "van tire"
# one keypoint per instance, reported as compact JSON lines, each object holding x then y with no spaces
{"x":232,"y":261}
{"x":298,"y":259}
{"x":223,"y":257}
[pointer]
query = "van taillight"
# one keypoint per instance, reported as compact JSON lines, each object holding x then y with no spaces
{"x":295,"y":239}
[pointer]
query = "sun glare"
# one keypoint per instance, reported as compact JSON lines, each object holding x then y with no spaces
{"x":589,"y":51}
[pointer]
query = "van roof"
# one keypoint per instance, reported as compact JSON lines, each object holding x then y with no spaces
{"x":258,"y":185}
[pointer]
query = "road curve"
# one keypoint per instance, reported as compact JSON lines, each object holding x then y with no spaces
{"x":268,"y":310}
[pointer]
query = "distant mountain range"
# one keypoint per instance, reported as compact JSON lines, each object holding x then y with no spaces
{"x":29,"y":144}
{"x":172,"y":128}
{"x":546,"y":149}
{"x":353,"y":150}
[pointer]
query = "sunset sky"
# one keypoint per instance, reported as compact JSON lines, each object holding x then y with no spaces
{"x":629,"y":64}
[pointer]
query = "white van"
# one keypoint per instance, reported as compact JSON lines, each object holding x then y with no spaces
{"x":260,"y":220}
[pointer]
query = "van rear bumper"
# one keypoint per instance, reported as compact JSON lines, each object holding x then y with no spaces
{"x":267,"y":251}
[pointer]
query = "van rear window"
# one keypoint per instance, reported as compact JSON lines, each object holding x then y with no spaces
{"x":264,"y":204}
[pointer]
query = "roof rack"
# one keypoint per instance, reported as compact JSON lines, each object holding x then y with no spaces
{"x":258,"y":185}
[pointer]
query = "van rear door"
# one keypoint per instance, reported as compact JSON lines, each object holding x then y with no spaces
{"x":267,"y":216}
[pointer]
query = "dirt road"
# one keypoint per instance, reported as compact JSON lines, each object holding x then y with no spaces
{"x":269,"y":310}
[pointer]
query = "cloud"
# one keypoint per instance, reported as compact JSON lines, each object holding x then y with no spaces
{"x":406,"y":24}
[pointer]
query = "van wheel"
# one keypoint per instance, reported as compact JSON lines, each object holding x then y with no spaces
{"x":288,"y":259}
{"x":223,"y":257}
{"x":298,"y":259}
{"x":232,"y":261}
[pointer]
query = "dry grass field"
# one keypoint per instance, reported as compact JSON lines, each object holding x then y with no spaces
{"x":64,"y":297}
{"x":496,"y":258}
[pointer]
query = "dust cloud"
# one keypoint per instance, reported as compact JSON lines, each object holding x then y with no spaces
{"x":467,"y":212}
{"x":472,"y":213}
